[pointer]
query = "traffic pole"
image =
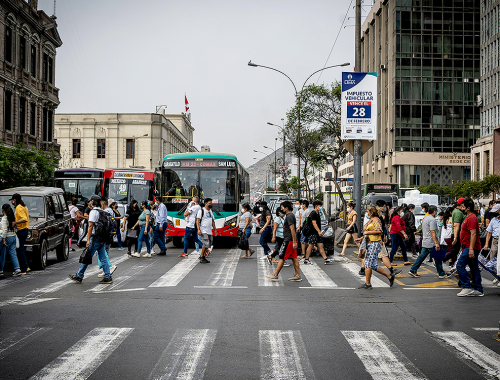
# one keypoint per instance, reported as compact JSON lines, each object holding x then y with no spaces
{"x":357,"y":143}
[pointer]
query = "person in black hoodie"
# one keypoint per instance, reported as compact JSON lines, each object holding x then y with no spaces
{"x":131,"y":218}
{"x":409,"y":219}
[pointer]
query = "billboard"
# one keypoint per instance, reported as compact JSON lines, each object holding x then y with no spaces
{"x":359,"y":106}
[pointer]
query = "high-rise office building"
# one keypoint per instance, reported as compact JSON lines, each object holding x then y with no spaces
{"x":426,"y":55}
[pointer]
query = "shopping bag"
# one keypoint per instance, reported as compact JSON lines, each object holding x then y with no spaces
{"x":86,"y":257}
{"x":243,"y":242}
{"x":438,"y":255}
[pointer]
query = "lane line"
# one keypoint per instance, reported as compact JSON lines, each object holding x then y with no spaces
{"x":317,"y":276}
{"x":19,"y":338}
{"x":176,"y":274}
{"x":325,"y":287}
{"x":122,"y":290}
{"x":477,"y":356}
{"x":263,"y":269}
{"x":224,"y":273}
{"x":219,"y":287}
{"x":186,"y":356}
{"x":457,"y":289}
{"x":36,"y":300}
{"x":485,"y":328}
{"x":283,"y":356}
{"x":375,"y":281}
{"x":381,"y":358}
{"x":85,"y":356}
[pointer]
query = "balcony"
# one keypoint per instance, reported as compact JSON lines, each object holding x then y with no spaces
{"x":50,"y":90}
{"x":50,"y":145}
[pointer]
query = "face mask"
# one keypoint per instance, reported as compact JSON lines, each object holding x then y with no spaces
{"x":261,"y":209}
{"x":242,"y":211}
{"x":401,"y":213}
{"x":464,"y":212}
{"x":321,"y":208}
{"x":209,"y":206}
{"x":367,"y":216}
{"x":348,"y":209}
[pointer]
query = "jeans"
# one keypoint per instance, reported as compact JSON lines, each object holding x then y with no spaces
{"x":420,"y":259}
{"x":84,"y":229}
{"x":11,"y":250}
{"x":99,"y":247}
{"x":397,"y":241}
{"x":143,"y":237}
{"x":151,"y":235}
{"x":194,"y":233}
{"x":462,"y":262}
{"x":160,"y":236}
{"x":119,"y":238}
{"x":21,"y":252}
{"x":264,"y":237}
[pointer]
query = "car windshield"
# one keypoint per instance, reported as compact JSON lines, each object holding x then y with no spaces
{"x":34,"y":204}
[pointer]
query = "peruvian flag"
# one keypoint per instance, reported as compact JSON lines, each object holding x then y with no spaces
{"x":186,"y":103}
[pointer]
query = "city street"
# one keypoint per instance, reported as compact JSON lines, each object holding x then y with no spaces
{"x":167,"y":317}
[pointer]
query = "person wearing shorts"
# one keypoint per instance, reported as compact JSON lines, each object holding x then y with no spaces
{"x":288,"y":249}
{"x":316,"y":236}
{"x":205,"y":223}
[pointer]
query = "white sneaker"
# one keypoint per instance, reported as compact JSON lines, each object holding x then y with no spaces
{"x":147,"y":255}
{"x":495,"y":281}
{"x":136,"y":254}
{"x":101,"y":274}
{"x":498,"y":285}
{"x":195,"y":252}
{"x":465,"y":292}
{"x":153,"y":251}
{"x":112,"y":268}
{"x":285,"y":264}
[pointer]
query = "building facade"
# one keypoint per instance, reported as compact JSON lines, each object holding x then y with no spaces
{"x":121,"y":140}
{"x":426,"y":56}
{"x":485,"y":154}
{"x":28,"y":39}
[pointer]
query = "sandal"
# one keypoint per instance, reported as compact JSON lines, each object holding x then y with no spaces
{"x":407,"y":263}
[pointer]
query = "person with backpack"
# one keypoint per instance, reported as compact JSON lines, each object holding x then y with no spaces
{"x":303,"y":215}
{"x":97,"y":236}
{"x":113,"y":228}
{"x":314,"y":234}
{"x":143,"y":223}
{"x":279,"y":223}
{"x":205,"y":223}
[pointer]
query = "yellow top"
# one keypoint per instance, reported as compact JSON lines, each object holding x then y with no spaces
{"x":22,"y":213}
{"x":374,"y":225}
{"x":351,"y":216}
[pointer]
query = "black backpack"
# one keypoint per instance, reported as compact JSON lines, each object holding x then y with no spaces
{"x":104,"y":227}
{"x":306,"y":228}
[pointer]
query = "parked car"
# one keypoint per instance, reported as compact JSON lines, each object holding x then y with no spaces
{"x":359,"y":130}
{"x":49,"y":224}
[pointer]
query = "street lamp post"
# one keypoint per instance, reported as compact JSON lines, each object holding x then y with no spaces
{"x":275,"y":140}
{"x":282,"y":128}
{"x":133,"y":157}
{"x":250,"y":63}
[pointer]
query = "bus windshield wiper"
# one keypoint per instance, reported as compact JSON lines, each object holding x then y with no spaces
{"x":183,"y":209}
{"x":217,"y":212}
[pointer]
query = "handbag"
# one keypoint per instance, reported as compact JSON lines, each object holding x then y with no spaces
{"x":133,"y":234}
{"x":483,"y":232}
{"x":243,"y":242}
{"x":86,"y":257}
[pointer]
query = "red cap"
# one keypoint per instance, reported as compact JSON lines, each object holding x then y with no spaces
{"x":460,"y":200}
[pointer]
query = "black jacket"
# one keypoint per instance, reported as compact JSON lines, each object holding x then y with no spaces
{"x":409,"y":220}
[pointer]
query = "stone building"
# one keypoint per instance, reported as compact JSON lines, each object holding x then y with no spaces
{"x":28,"y":43}
{"x":121,"y":140}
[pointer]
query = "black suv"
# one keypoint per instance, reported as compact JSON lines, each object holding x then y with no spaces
{"x":50,"y":222}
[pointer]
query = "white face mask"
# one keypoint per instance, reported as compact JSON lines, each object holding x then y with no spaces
{"x":401,"y":213}
{"x":242,"y":210}
{"x":261,"y":209}
{"x":348,"y":209}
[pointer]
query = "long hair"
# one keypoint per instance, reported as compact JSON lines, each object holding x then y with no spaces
{"x":145,"y":204}
{"x":396,"y":211}
{"x":447,"y":216}
{"x":373,"y":210}
{"x":131,"y":205}
{"x":9,"y":214}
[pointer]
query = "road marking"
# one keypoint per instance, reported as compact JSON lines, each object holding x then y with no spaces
{"x":29,"y":299}
{"x":263,"y":269}
{"x":122,"y":290}
{"x":18,"y":339}
{"x":375,"y":281}
{"x":186,"y":356}
{"x":176,"y":274}
{"x":486,"y":328}
{"x":283,"y":356}
{"x":317,"y":276}
{"x":381,"y":358}
{"x":35,"y":300}
{"x":219,"y":287}
{"x":474,"y":353}
{"x":224,"y":273}
{"x":85,"y":356}
{"x":325,"y":287}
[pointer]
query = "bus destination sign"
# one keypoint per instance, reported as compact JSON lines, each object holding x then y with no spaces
{"x":208,"y":164}
{"x":129,"y":175}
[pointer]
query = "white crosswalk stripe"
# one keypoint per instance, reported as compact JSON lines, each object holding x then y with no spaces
{"x":375,"y":281}
{"x":186,"y":356}
{"x":176,"y":274}
{"x":381,"y":358}
{"x":263,"y":269}
{"x":18,"y":339}
{"x":283,"y":356}
{"x":85,"y":356}
{"x":120,"y":281}
{"x":224,"y":273}
{"x":479,"y":357}
{"x":317,"y":276}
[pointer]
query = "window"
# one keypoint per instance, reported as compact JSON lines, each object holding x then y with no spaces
{"x":130,"y":148}
{"x":33,"y":61}
{"x":33,"y":119}
{"x":76,"y":148}
{"x":8,"y":111}
{"x":22,"y":115}
{"x":8,"y":44}
{"x":101,"y":148}
{"x":48,"y":63}
{"x":45,"y":131}
{"x":22,"y":52}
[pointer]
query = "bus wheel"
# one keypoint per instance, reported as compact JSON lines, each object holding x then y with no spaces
{"x":177,"y":242}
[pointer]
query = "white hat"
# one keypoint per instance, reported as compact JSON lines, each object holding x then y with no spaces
{"x":495,"y":208}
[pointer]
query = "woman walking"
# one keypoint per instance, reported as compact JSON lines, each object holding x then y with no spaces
{"x":373,"y":236}
{"x":8,"y":240}
{"x":246,"y":226}
{"x":143,"y":223}
{"x":409,"y":220}
{"x":278,"y":237}
{"x":398,"y":235}
{"x":130,"y":220}
{"x":352,"y":228}
{"x":265,"y":227}
{"x":22,"y":224}
{"x":118,"y":218}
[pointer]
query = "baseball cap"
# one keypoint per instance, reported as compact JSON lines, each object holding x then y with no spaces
{"x":460,"y":201}
{"x":16,"y":197}
{"x":95,"y":198}
{"x":495,"y":209}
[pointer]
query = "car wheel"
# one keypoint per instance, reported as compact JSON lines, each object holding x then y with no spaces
{"x":177,"y":242}
{"x":62,"y":250}
{"x":42,"y":258}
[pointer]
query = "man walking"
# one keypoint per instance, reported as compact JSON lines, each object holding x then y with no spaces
{"x":160,"y":225}
{"x":315,"y":236}
{"x":191,"y":230}
{"x":205,"y":223}
{"x":96,"y":241}
{"x":22,"y":223}
{"x":429,"y":240}
{"x":288,"y":249}
{"x":304,"y":213}
{"x":493,"y":232}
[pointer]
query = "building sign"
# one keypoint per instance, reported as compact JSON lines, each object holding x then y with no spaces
{"x":133,"y":175}
{"x":456,"y":159}
{"x":359,"y":106}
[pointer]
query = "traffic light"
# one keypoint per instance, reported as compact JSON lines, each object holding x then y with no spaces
{"x":328,"y":176}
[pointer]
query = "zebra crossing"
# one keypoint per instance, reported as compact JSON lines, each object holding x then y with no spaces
{"x":283,"y":354}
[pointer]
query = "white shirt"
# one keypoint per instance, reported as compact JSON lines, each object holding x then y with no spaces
{"x":298,"y":214}
{"x":94,"y":217}
{"x":72,"y":210}
{"x":243,"y":220}
{"x":206,"y":221}
{"x":193,"y":212}
{"x":446,"y":233}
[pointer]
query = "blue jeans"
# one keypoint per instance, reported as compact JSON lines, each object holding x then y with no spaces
{"x":21,"y":252}
{"x":462,"y":262}
{"x":194,"y":233}
{"x":99,"y":247}
{"x":11,"y":250}
{"x":398,"y":241}
{"x":420,"y":259}
{"x":143,"y":237}
{"x":264,"y":237}
{"x":151,"y":234}
{"x":119,"y":238}
{"x":160,"y":236}
{"x":106,"y":249}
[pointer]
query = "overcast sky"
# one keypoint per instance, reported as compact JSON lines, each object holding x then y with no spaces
{"x":130,"y":56}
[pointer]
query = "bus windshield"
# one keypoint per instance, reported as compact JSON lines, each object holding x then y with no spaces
{"x":124,"y":190}
{"x":81,"y":189}
{"x":180,"y":185}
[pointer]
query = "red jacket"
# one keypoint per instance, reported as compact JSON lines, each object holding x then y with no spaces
{"x":398,"y":226}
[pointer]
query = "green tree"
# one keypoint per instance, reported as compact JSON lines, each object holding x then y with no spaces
{"x":491,"y":184}
{"x":21,"y":166}
{"x":469,"y":189}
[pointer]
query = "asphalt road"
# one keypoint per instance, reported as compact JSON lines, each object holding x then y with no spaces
{"x":168,"y":317}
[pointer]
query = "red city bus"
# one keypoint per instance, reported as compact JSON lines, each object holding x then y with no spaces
{"x":123,"y":185}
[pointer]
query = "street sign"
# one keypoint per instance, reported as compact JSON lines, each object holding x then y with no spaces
{"x":359,"y":106}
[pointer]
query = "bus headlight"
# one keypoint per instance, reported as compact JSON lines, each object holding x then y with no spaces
{"x":231,"y":222}
{"x":169,"y":222}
